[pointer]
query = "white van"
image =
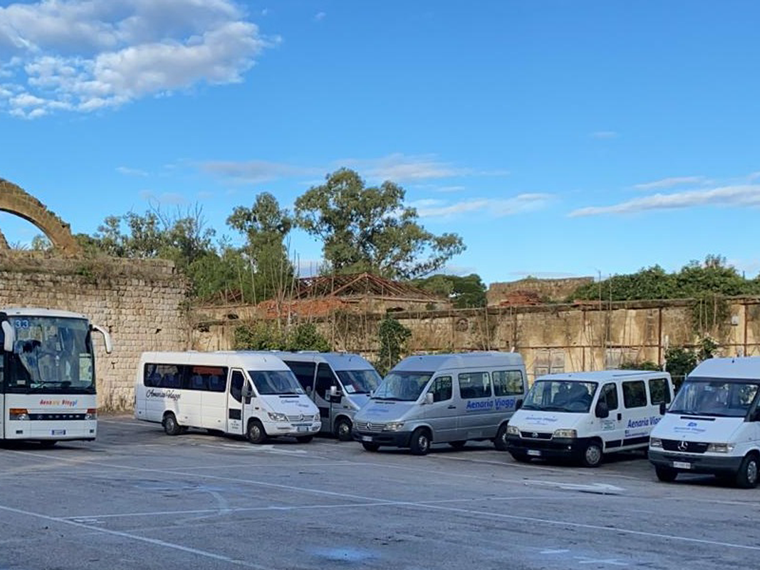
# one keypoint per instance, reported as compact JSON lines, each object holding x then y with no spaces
{"x":583,"y":415}
{"x":339,"y":383}
{"x":231,"y":392}
{"x":713,"y":425}
{"x":443,"y":398}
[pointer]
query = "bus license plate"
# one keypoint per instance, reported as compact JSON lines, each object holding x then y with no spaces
{"x":534,"y":453}
{"x":681,"y":465}
{"x":367,"y":438}
{"x":58,"y":432}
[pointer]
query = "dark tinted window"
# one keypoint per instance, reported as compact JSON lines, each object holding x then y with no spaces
{"x":304,"y":371}
{"x":163,"y":375}
{"x":236,"y":385}
{"x":610,"y":395}
{"x":508,"y":383}
{"x":441,"y":389}
{"x":634,"y":394}
{"x":325,"y":379}
{"x":659,"y":391}
{"x":475,"y":385}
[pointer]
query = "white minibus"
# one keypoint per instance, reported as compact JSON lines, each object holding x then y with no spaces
{"x":239,"y":393}
{"x":713,"y":425}
{"x":583,"y":415}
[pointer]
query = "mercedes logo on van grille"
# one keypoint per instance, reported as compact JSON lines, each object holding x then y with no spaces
{"x":534,"y":435}
{"x":683,"y":446}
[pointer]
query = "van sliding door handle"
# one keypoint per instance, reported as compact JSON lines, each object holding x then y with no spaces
{"x":620,"y":417}
{"x":452,"y":407}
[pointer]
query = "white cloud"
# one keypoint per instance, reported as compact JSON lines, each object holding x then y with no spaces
{"x":84,"y":55}
{"x":432,"y":208}
{"x":167,"y":198}
{"x":400,"y":167}
{"x":671,"y":182}
{"x":319,"y":16}
{"x":126,"y":171}
{"x":726,"y":196}
{"x":604,"y":135}
{"x":256,"y":171}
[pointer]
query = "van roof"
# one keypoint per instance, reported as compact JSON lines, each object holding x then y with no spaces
{"x":245,"y":360}
{"x":38,"y":312}
{"x":433,"y":362}
{"x":740,"y":368}
{"x":337,"y":360}
{"x":602,"y":375}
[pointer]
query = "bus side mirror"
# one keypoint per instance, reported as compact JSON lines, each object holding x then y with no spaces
{"x":106,"y":337}
{"x":429,"y":398}
{"x":663,"y":408}
{"x":602,"y":410}
{"x":10,"y":337}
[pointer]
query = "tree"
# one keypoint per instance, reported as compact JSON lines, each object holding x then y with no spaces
{"x":393,"y":338}
{"x":369,"y":229}
{"x":265,"y":226}
{"x":269,"y":335}
{"x":464,"y":292}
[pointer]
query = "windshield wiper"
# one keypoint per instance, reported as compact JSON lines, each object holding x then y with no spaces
{"x":391,"y":399}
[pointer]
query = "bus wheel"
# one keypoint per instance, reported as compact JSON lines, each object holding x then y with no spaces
{"x":370,"y":446}
{"x":420,"y":443}
{"x":256,"y":433}
{"x":304,"y":438}
{"x":46,"y":443}
{"x":747,"y":476}
{"x":343,"y":429}
{"x":171,"y":426}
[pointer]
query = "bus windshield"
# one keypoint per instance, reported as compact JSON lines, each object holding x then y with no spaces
{"x":561,"y":396}
{"x":359,"y":381}
{"x":402,"y":386}
{"x":275,"y":383}
{"x":51,"y":355}
{"x":715,"y":397}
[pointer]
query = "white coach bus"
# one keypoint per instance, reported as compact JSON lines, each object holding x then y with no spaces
{"x":240,"y":393}
{"x":47,"y":376}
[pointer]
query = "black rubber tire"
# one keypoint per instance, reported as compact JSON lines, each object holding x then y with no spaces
{"x":255,"y":432}
{"x":171,"y":425}
{"x":420,"y":442}
{"x":666,"y":474}
{"x":370,"y":446}
{"x":343,"y":429}
{"x":48,"y":443}
{"x":747,"y":476}
{"x":520,"y":457}
{"x":500,"y":442}
{"x":458,"y":444}
{"x":593,"y":455}
{"x":304,"y":438}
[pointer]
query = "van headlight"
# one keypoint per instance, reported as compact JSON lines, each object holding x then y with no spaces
{"x":394,"y":426}
{"x":566,"y":433}
{"x":317,"y":417}
{"x":20,"y":414}
{"x":655,"y":442}
{"x":720,"y":447}
{"x":513,"y":430}
{"x":277,"y":417}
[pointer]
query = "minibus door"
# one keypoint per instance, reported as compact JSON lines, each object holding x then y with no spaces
{"x":236,"y":403}
{"x":324,"y":401}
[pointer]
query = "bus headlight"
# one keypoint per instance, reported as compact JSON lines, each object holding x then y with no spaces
{"x":92,"y":414}
{"x":566,"y":433}
{"x":18,"y":414}
{"x":655,"y":442}
{"x":513,"y":430}
{"x":277,"y":417}
{"x":720,"y":448}
{"x":394,"y":426}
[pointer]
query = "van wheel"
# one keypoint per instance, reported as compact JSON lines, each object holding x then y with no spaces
{"x":343,"y":429}
{"x":171,"y":425}
{"x":520,"y":457}
{"x":420,"y":443}
{"x":255,"y":432}
{"x":500,"y":442}
{"x":458,"y":444}
{"x":370,"y":446}
{"x":747,"y":476}
{"x":304,"y":438}
{"x":592,"y":455}
{"x":666,"y":474}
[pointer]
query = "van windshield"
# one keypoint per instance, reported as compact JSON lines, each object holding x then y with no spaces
{"x":275,"y":382}
{"x":359,"y":381}
{"x":715,"y":397}
{"x":402,"y":386}
{"x":561,"y":396}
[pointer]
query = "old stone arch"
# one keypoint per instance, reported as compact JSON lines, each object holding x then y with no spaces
{"x":16,"y":201}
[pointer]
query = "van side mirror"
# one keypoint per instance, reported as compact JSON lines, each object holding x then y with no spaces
{"x":663,"y":408}
{"x":429,"y":398}
{"x":10,"y":337}
{"x":247,"y":391}
{"x":602,"y":410}
{"x":333,"y":391}
{"x":518,"y":404}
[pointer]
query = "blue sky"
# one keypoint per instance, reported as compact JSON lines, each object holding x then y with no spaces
{"x":558,"y":138}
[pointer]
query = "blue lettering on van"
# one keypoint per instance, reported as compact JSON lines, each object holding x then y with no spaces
{"x":479,"y":405}
{"x":505,"y":403}
{"x":643,"y":422}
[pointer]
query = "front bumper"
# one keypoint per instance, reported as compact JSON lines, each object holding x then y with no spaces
{"x":298,"y":429}
{"x":710,"y":464}
{"x":386,"y":438}
{"x":79,"y":430}
{"x":555,"y":448}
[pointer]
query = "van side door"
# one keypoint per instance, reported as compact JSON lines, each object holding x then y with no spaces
{"x":637,"y":414}
{"x":611,"y":428}
{"x":236,"y":403}
{"x":476,"y":418}
{"x":659,"y":393}
{"x":442,"y":413}
{"x":325,"y":380}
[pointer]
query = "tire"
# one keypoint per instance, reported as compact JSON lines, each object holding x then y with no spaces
{"x":48,"y":443}
{"x":458,"y":444}
{"x":666,"y":474}
{"x":370,"y":446}
{"x":171,"y":425}
{"x":420,"y":442}
{"x":500,"y":442}
{"x":255,"y":432}
{"x":343,"y":429}
{"x":747,"y":476}
{"x":304,"y":438}
{"x":520,"y":457}
{"x":592,"y":455}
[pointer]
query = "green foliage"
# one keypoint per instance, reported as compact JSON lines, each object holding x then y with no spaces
{"x":269,"y":335}
{"x":645,"y":365}
{"x":679,"y":361}
{"x":464,"y":292}
{"x":393,"y":338}
{"x":369,"y":229}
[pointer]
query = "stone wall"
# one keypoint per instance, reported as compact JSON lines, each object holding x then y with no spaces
{"x":142,"y":304}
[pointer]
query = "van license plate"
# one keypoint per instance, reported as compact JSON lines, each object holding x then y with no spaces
{"x":303,"y":428}
{"x":534,"y":453}
{"x":681,"y":465}
{"x":58,"y":432}
{"x":367,"y":438}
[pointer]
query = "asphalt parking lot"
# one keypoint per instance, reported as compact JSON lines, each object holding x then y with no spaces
{"x":137,"y":498}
